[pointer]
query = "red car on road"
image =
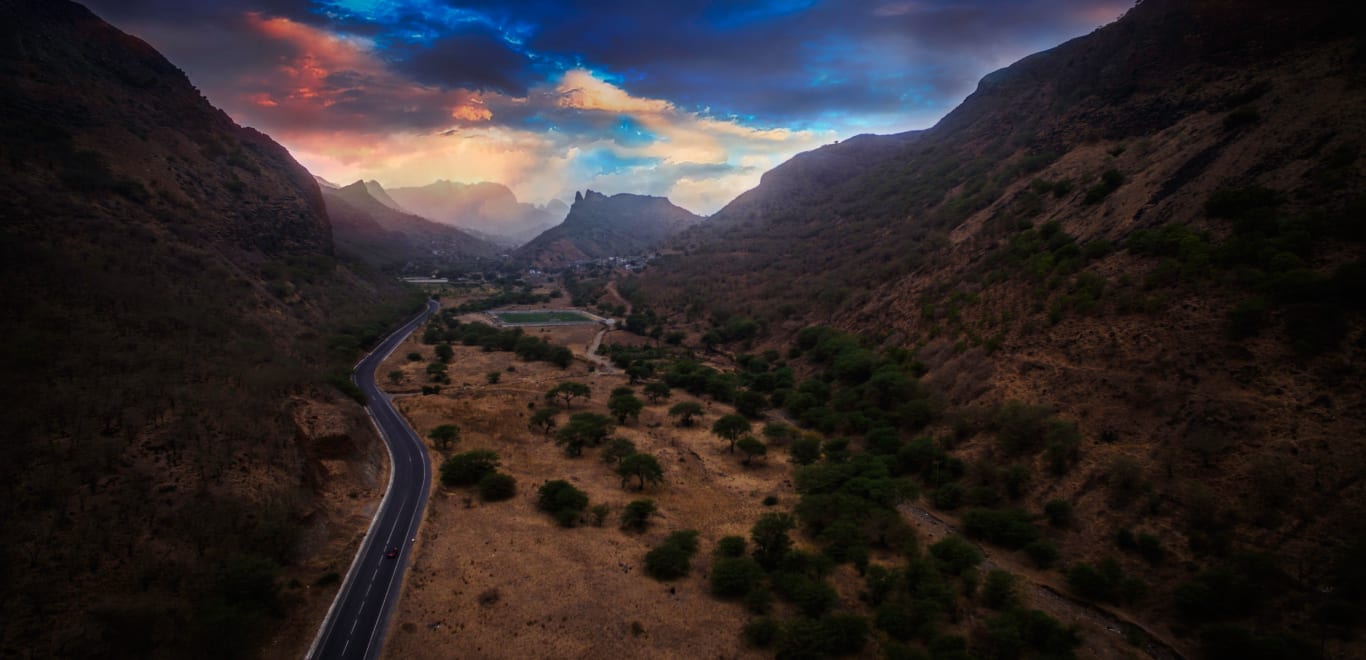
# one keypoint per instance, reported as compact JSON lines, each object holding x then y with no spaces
{"x":391,"y":552}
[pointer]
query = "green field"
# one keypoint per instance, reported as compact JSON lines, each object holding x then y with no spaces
{"x":530,"y":318}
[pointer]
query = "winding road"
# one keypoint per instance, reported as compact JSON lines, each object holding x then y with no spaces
{"x":356,"y":623}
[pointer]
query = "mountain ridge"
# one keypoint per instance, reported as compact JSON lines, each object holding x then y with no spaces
{"x":599,"y":226}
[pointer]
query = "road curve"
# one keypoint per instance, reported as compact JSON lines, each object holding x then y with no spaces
{"x":356,"y":623}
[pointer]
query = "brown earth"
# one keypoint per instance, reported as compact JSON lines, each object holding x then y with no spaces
{"x":503,"y":580}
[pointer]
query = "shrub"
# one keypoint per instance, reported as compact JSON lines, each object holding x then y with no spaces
{"x":956,"y":554}
{"x":761,"y":632}
{"x":805,"y":450}
{"x":562,"y":500}
{"x":999,"y":591}
{"x":733,"y":577}
{"x":1008,"y":528}
{"x":636,"y":515}
{"x":673,"y":558}
{"x":730,"y":546}
{"x":948,"y":497}
{"x":468,"y":468}
{"x":496,"y":486}
{"x":1059,"y":512}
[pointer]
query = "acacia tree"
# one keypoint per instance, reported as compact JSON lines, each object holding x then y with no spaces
{"x":685,"y":412}
{"x":731,"y":427}
{"x":625,"y":405}
{"x":617,"y":449}
{"x":751,"y":447}
{"x":568,"y":391}
{"x":445,"y":435}
{"x":657,"y":390}
{"x":583,"y":429}
{"x":543,"y":420}
{"x":642,"y":466}
{"x":771,"y":541}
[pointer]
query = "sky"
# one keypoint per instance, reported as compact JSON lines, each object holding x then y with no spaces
{"x":691,"y":99}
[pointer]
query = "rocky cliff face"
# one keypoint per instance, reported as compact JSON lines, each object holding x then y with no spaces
{"x":1153,"y":230}
{"x":600,"y":226}
{"x":174,"y":309}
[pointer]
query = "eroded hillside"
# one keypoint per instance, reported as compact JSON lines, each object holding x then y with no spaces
{"x":1154,"y":232}
{"x":174,"y":454}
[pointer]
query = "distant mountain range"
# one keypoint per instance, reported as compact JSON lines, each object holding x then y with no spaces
{"x":379,"y":232}
{"x":488,"y":208}
{"x":601,"y":226}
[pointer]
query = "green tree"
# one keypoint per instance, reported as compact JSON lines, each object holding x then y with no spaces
{"x":395,"y":376}
{"x":617,"y":449}
{"x":641,"y":466}
{"x":543,"y":420}
{"x":436,"y":371}
{"x":583,"y":429}
{"x":468,"y":468}
{"x":686,"y":411}
{"x":771,"y":541}
{"x":625,"y":405}
{"x":999,"y":592}
{"x":493,"y":377}
{"x":567,"y":392}
{"x":444,"y":435}
{"x":444,"y":353}
{"x":731,"y":427}
{"x":805,"y":450}
{"x":496,"y":486}
{"x":751,"y":447}
{"x":733,"y":577}
{"x":637,"y":514}
{"x":673,"y":558}
{"x":657,"y":391}
{"x":778,"y":433}
{"x":562,"y":500}
{"x":730,"y":546}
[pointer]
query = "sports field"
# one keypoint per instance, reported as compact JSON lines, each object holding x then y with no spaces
{"x":536,"y":317}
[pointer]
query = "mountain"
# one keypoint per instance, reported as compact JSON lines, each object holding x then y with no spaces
{"x":177,"y":339}
{"x":324,"y":183}
{"x":377,"y":191}
{"x":373,"y":231}
{"x":489,"y":208}
{"x":600,"y":226}
{"x":1153,"y":233}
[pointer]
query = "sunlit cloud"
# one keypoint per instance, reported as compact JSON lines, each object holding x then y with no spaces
{"x":690,"y":99}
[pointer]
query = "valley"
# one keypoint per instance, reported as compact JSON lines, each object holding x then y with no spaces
{"x":943,"y":359}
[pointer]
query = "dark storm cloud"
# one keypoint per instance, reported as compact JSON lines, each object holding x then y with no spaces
{"x":472,"y":61}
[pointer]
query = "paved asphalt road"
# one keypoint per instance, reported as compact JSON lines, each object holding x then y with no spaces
{"x":355,"y":626}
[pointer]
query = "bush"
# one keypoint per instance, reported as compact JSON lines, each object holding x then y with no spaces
{"x":733,"y":577}
{"x":636,"y":515}
{"x":496,"y":486}
{"x":805,"y":450}
{"x":673,"y":558}
{"x":1106,"y":582}
{"x":730,"y":546}
{"x":1008,"y":528}
{"x":956,"y":554}
{"x":761,"y":632}
{"x":468,"y":468}
{"x":999,"y":591}
{"x":562,"y":500}
{"x":1059,"y":512}
{"x":948,"y":497}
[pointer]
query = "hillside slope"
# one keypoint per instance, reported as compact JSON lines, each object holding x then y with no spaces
{"x":174,"y":314}
{"x":1155,"y":231}
{"x":600,"y":226}
{"x":372,"y":230}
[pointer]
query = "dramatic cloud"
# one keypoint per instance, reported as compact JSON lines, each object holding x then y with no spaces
{"x":692,"y":99}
